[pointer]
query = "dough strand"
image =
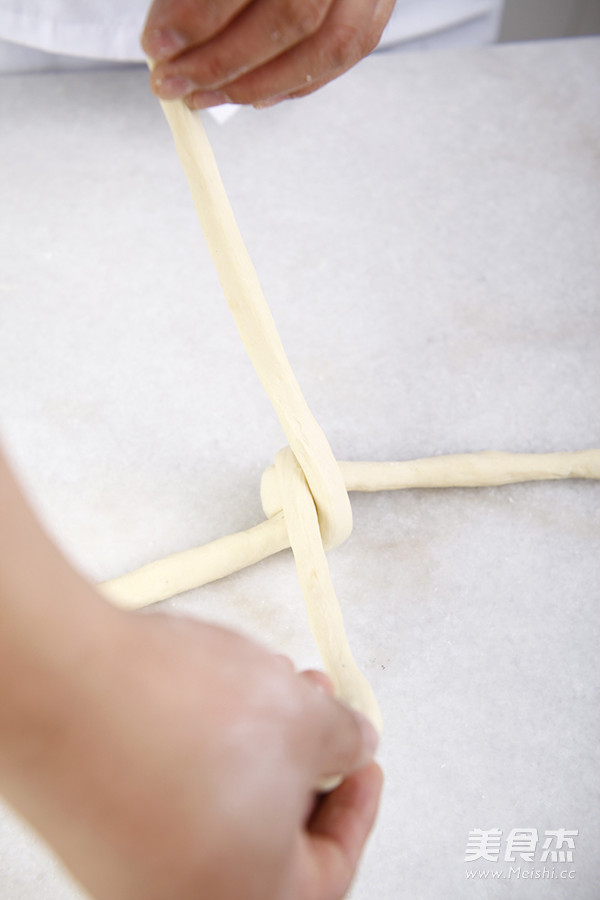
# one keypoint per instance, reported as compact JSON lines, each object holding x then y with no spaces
{"x":305,"y":495}
{"x":255,"y":323}
{"x":193,"y":568}
{"x":307,"y":441}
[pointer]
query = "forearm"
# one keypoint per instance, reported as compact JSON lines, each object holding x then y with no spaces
{"x":164,"y":757}
{"x":51,"y":621}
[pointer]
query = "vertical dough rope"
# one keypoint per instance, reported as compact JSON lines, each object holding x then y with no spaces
{"x":310,"y":472}
{"x":304,"y":495}
{"x":256,"y":326}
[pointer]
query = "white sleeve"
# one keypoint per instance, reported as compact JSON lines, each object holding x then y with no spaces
{"x":421,"y":24}
{"x":111,"y":29}
{"x":94,"y":29}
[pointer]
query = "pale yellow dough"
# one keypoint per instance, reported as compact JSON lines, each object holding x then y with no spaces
{"x":305,"y":494}
{"x":192,"y":568}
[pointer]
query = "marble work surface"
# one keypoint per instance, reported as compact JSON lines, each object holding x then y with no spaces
{"x":426,"y":230}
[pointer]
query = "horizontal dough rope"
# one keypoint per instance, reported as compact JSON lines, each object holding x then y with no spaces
{"x":200,"y":565}
{"x":487,"y":468}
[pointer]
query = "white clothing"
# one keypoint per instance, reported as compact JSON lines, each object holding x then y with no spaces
{"x":51,"y":34}
{"x":421,"y":24}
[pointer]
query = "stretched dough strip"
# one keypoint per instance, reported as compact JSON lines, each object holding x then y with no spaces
{"x":255,"y":323}
{"x":484,"y":469}
{"x":193,"y":568}
{"x":321,"y":475}
{"x":198,"y":566}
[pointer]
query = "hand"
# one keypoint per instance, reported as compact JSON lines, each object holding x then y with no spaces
{"x":183,"y":766}
{"x":256,"y":51}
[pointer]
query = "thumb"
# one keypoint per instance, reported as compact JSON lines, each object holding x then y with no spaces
{"x":346,"y":742}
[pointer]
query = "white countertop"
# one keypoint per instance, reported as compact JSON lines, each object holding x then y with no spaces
{"x":426,"y":231}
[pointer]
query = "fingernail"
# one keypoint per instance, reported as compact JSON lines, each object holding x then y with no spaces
{"x":173,"y":86}
{"x":204,"y":99}
{"x":162,"y":43}
{"x":272,"y":101}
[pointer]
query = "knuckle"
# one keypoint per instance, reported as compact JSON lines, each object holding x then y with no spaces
{"x":372,"y":38}
{"x":210,"y":68}
{"x":209,"y":12}
{"x":284,"y":664}
{"x":249,"y":89}
{"x":380,"y":20}
{"x":239,"y":95}
{"x":197,"y":18}
{"x":346,"y":46}
{"x":299,"y":19}
{"x":212,"y":71}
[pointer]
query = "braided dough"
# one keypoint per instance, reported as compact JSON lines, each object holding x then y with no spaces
{"x":305,"y":494}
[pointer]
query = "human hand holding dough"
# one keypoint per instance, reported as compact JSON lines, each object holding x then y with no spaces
{"x":162,"y":757}
{"x":257,"y":51}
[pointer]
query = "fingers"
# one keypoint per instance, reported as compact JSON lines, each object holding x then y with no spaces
{"x":264,"y":30}
{"x":216,"y":42}
{"x":173,"y":26}
{"x":349,"y":749}
{"x":315,"y":677}
{"x":350,"y":31}
{"x":343,"y":740}
{"x":319,"y":680}
{"x":338,"y":830}
{"x":258,"y":52}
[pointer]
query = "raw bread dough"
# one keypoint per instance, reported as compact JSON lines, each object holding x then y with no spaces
{"x":256,"y":326}
{"x":305,"y":495}
{"x":191,"y":569}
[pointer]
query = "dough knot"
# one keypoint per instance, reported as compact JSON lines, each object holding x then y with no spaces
{"x":275,"y":482}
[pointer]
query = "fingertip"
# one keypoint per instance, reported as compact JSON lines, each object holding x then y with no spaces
{"x":319,"y":680}
{"x":369,"y":736}
{"x":205,"y":99}
{"x":285,"y":660}
{"x":347,"y":743}
{"x":373,"y":773}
